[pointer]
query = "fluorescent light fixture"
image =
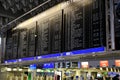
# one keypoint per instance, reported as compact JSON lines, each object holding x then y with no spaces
{"x":101,"y":68}
{"x":20,"y":69}
{"x":9,"y":69}
{"x":14,"y":69}
{"x":38,"y":70}
{"x":29,"y":70}
{"x":52,"y":71}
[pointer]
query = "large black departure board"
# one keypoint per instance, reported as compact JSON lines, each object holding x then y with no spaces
{"x":85,"y":25}
{"x":95,"y":26}
{"x":39,"y":39}
{"x":15,"y":37}
{"x":23,"y":44}
{"x":31,"y":40}
{"x":45,"y":37}
{"x":77,"y":26}
{"x":49,"y":34}
{"x":8,"y":54}
{"x":74,"y":27}
{"x":55,"y":25}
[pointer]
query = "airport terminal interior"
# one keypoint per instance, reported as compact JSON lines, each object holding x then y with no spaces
{"x":59,"y":39}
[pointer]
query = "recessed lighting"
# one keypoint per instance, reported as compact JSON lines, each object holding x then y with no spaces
{"x":14,"y":69}
{"x":20,"y":69}
{"x":9,"y":69}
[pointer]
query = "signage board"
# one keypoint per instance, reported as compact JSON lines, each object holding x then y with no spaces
{"x":104,"y":63}
{"x":84,"y":64}
{"x":32,"y":67}
{"x":117,"y":63}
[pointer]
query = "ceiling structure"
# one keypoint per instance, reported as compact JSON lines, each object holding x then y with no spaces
{"x":12,"y":9}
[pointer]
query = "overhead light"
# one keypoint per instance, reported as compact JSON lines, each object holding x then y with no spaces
{"x":14,"y":69}
{"x":29,"y":70}
{"x":38,"y":70}
{"x":20,"y":69}
{"x":101,"y":68}
{"x":9,"y":69}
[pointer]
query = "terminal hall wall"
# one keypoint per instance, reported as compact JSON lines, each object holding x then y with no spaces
{"x":74,"y":27}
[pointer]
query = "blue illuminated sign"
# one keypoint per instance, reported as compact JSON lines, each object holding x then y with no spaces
{"x":48,"y":65}
{"x":77,"y":52}
{"x":10,"y":61}
{"x":85,"y":51}
{"x":26,"y":59}
{"x":49,"y":56}
{"x":33,"y":67}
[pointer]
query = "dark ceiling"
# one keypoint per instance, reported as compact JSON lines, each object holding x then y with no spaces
{"x":11,"y":9}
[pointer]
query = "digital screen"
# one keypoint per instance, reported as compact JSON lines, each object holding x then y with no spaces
{"x":117,"y":63}
{"x":104,"y":63}
{"x":48,"y":65}
{"x":32,"y":67}
{"x":99,"y":75}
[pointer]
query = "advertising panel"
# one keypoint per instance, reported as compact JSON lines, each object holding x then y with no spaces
{"x":117,"y":63}
{"x":84,"y":64}
{"x":104,"y":63}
